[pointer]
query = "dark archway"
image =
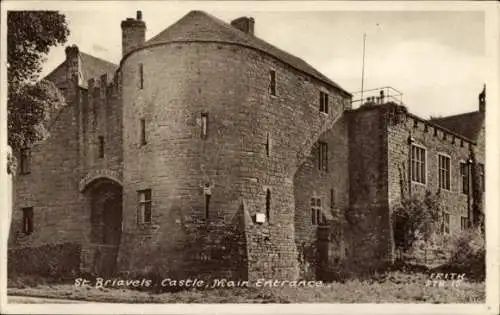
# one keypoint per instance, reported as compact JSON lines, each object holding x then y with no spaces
{"x":106,"y":223}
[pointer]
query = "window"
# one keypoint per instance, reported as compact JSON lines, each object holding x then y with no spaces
{"x":317,"y":216}
{"x":332,"y":199}
{"x":268,"y":145}
{"x":101,"y":147}
{"x":323,"y":102}
{"x":204,"y":125}
{"x":464,"y":223}
{"x":25,"y":161}
{"x":481,"y":176}
{"x":272,"y":82}
{"x":141,"y":76}
{"x":268,"y":205}
{"x":207,"y":205}
{"x":207,"y":191}
{"x":464,"y":173}
{"x":27,"y":220}
{"x":445,"y":226}
{"x":322,"y":155}
{"x":444,"y":171}
{"x":145,"y":214}
{"x":418,"y":164}
{"x":142,"y":131}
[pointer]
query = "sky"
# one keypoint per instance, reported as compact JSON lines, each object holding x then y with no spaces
{"x":435,"y":58}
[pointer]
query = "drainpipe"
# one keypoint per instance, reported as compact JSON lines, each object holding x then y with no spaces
{"x":469,"y":188}
{"x":410,"y":141}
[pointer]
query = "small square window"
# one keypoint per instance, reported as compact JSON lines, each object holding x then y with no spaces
{"x":27,"y":220}
{"x":204,"y":125}
{"x":144,"y":207}
{"x":323,"y":102}
{"x":272,"y":82}
{"x":101,"y":147}
{"x":142,"y":131}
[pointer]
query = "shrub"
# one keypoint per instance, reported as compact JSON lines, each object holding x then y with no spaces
{"x":416,"y":219}
{"x":468,"y":254}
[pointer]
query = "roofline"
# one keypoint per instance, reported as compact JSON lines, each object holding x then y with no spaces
{"x":413,"y":116}
{"x":338,"y":88}
{"x":433,"y":124}
{"x":456,"y":115}
{"x":54,"y":70}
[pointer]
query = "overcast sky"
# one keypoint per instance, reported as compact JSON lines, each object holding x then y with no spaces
{"x":437,"y":59}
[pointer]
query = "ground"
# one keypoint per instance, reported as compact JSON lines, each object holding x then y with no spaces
{"x":391,"y":287}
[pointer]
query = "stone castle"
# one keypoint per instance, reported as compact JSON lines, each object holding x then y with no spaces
{"x":209,"y":151}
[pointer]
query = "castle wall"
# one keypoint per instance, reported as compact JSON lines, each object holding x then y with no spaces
{"x":435,"y":141}
{"x":368,"y":229}
{"x":51,"y":188}
{"x":310,"y":182}
{"x":230,"y":83}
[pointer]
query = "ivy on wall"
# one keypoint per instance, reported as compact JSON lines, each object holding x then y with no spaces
{"x":416,"y":218}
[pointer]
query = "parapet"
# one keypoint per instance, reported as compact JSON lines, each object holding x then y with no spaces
{"x":102,"y":90}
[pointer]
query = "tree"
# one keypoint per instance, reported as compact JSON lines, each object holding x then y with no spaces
{"x":30,"y":35}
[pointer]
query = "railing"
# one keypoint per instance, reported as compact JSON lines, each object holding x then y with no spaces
{"x":380,"y":95}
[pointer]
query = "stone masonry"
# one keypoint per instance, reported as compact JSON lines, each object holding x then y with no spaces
{"x":223,"y":131}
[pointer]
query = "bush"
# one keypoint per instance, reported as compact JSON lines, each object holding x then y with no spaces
{"x":416,"y":218}
{"x":468,"y":255}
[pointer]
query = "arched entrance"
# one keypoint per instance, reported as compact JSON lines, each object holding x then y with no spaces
{"x":105,"y":223}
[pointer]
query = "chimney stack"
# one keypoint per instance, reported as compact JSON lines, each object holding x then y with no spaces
{"x":133,"y":33}
{"x":244,"y":24}
{"x":482,"y":100}
{"x":72,"y":63}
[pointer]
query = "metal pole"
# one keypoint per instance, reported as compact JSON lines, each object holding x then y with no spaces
{"x":363,"y":69}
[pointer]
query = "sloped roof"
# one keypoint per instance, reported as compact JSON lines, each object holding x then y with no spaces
{"x":201,"y":26}
{"x":93,"y":67}
{"x":89,"y":67}
{"x":468,"y":124}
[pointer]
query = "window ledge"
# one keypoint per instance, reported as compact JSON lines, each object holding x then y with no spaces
{"x":418,"y":183}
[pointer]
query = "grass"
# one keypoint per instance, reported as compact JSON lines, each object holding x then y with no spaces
{"x":389,"y":287}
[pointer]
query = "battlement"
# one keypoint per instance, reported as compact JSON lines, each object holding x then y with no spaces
{"x":102,"y":90}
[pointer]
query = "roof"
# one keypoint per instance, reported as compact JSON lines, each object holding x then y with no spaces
{"x":468,"y":124}
{"x":90,"y":67}
{"x":93,"y":67}
{"x":201,"y":26}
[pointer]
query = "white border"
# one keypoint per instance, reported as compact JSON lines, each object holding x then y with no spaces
{"x":492,"y":26}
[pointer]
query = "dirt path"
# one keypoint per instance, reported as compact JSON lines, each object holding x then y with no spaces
{"x":16,"y":299}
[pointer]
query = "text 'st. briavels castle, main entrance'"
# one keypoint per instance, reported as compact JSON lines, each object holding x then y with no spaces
{"x":208,"y":151}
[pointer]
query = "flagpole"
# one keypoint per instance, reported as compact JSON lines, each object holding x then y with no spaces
{"x":363,"y":69}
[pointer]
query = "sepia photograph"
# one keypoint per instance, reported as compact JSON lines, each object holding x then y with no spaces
{"x":250,"y":153}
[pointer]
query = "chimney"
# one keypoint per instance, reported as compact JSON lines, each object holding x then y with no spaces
{"x":133,"y":33}
{"x":382,"y":96}
{"x":482,"y":100}
{"x":72,"y":64}
{"x":244,"y":24}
